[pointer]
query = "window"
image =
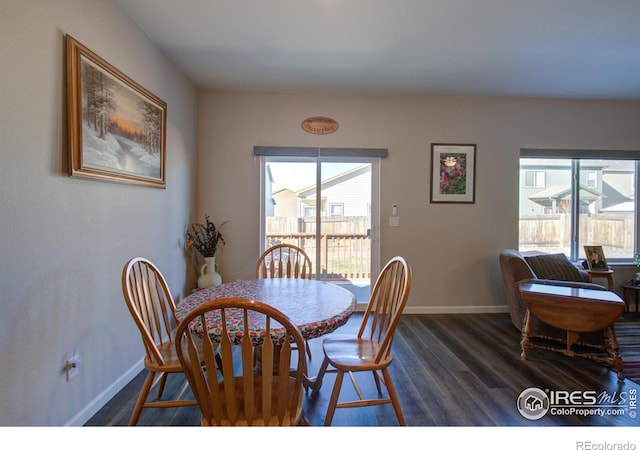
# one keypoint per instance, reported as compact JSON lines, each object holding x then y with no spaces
{"x":572,"y":198}
{"x":336,"y":209}
{"x":534,"y":178}
{"x":308,"y":211}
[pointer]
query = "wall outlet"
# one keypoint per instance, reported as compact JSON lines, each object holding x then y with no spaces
{"x":394,"y":221}
{"x":73,"y":365}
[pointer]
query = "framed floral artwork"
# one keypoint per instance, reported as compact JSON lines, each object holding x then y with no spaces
{"x":453,"y":177}
{"x":116,"y":128}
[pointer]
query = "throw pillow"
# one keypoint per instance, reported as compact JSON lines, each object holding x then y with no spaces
{"x":554,"y":267}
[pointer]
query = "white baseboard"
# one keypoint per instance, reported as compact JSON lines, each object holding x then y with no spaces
{"x":97,"y":403}
{"x":448,"y":309}
{"x":456,"y":309}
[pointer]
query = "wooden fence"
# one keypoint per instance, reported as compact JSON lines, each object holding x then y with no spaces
{"x":345,"y":244}
{"x":553,"y":232}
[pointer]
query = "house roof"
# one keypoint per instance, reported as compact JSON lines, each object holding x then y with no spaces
{"x":337,"y":179}
{"x":585,"y":49}
{"x":558,"y":192}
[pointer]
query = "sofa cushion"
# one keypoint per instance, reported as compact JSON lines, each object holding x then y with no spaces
{"x":554,"y":267}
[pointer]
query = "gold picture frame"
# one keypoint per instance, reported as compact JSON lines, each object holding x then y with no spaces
{"x":116,"y":128}
{"x":595,"y":257}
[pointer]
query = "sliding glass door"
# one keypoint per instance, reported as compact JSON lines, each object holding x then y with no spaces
{"x":328,"y":207}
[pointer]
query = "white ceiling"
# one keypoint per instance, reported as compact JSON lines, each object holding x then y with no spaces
{"x":526,"y":48}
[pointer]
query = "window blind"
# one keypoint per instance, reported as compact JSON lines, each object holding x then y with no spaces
{"x":320,"y":152}
{"x":563,"y":153}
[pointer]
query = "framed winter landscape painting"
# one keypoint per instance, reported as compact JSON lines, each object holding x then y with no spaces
{"x":116,"y":128}
{"x":453,"y":173}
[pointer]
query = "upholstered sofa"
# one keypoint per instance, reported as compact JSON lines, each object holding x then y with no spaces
{"x":543,"y":268}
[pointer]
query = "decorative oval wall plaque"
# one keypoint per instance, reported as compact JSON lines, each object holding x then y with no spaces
{"x":319,"y":125}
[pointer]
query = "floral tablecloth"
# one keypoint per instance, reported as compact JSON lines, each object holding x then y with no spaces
{"x":315,"y":307}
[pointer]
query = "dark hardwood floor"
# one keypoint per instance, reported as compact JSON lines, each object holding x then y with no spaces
{"x":449,"y":370}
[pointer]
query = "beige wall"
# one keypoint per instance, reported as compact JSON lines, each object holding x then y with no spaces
{"x":453,"y":248}
{"x":63,"y":241}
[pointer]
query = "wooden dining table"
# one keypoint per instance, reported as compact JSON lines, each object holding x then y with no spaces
{"x":315,"y":307}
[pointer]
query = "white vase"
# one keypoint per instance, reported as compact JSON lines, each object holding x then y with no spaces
{"x":208,"y":275}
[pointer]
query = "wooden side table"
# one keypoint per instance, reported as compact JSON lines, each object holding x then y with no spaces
{"x":629,"y":291}
{"x":576,"y":311}
{"x":608,"y":274}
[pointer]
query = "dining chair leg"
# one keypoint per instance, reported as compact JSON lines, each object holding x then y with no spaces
{"x":393,"y":396}
{"x":219,"y":362}
{"x":308,"y":349}
{"x":333,"y":402}
{"x":142,"y":398}
{"x":163,"y":382}
{"x":376,"y":378}
{"x":317,"y":383}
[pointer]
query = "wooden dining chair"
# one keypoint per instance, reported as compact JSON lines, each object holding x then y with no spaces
{"x":284,"y":261}
{"x":370,"y":349}
{"x":244,"y":396}
{"x":149,"y":300}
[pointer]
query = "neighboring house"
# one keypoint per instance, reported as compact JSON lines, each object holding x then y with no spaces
{"x":346,"y":194}
{"x":285,"y":203}
{"x":557,"y":200}
{"x":269,"y":205}
{"x":618,"y":187}
{"x":545,"y":187}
